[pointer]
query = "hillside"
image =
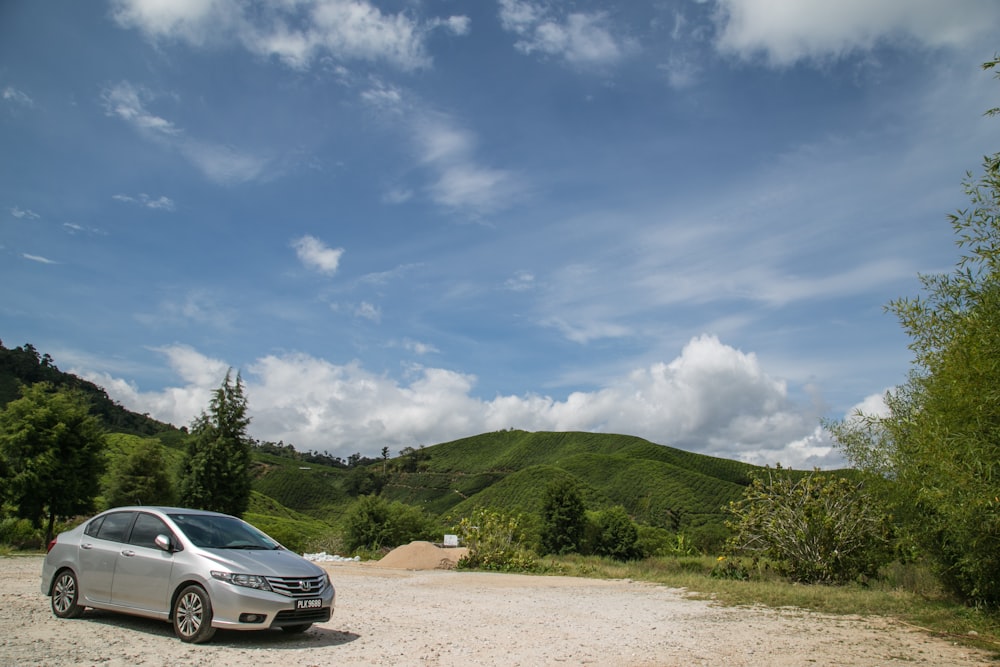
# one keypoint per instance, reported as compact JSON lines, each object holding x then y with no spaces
{"x":507,"y":470}
{"x":657,"y":485}
{"x":24,"y":366}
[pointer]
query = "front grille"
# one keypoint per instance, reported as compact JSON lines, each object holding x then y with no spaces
{"x":297,"y":616}
{"x":298,"y":587}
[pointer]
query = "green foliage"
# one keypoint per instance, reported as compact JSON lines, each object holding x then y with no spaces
{"x":815,"y":529}
{"x":496,"y":541}
{"x":20,"y":534}
{"x":216,"y":472}
{"x":26,"y":366}
{"x":51,"y":454}
{"x":563,"y":518}
{"x":616,"y":535}
{"x":938,"y":448}
{"x":141,"y":478}
{"x":374,"y":523}
{"x":296,"y":531}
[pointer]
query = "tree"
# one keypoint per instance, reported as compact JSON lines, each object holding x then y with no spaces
{"x":564,"y":518}
{"x":938,"y":448}
{"x":52,"y":451}
{"x":616,"y":535}
{"x":816,"y":529}
{"x":373,"y":522}
{"x":216,"y":469}
{"x":141,"y":478}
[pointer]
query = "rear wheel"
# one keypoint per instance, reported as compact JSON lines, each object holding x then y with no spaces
{"x":193,"y":615}
{"x":66,"y":595}
{"x":296,"y":629}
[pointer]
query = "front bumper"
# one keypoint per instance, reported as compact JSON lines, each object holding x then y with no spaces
{"x":239,"y":608}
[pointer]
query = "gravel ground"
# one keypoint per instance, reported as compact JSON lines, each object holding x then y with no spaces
{"x":436,"y":617}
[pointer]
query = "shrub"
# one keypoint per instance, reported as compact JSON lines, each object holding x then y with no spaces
{"x":373,"y":522}
{"x":495,"y":542}
{"x":816,"y":529}
{"x":616,"y":535}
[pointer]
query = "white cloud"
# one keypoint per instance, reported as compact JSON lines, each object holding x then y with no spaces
{"x":419,"y":348}
{"x":222,"y":164}
{"x":24,"y":214}
{"x":579,"y":38}
{"x":38,"y":258}
{"x":298,"y":32}
{"x":195,"y":307}
{"x":785,"y":32}
{"x":142,"y":199}
{"x":315,"y":254}
{"x":521,"y":281}
{"x":712,"y":398}
{"x":461,"y":183}
{"x":368,"y":311}
{"x":11,"y":94}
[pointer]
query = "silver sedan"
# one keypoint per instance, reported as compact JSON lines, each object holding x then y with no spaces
{"x":199,"y":570}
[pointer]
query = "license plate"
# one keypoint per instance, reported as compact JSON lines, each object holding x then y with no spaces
{"x":311,"y":603}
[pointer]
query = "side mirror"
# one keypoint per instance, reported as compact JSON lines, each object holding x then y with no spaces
{"x":164,"y":542}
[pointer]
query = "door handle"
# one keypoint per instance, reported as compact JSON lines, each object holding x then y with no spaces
{"x":87,"y":546}
{"x":128,"y":552}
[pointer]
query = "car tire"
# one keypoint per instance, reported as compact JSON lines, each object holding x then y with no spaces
{"x":66,"y":595}
{"x":193,"y":615}
{"x":296,"y":629}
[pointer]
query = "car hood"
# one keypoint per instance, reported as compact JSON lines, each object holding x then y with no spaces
{"x":266,"y":562}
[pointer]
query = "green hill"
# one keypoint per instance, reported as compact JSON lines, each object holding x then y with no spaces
{"x":658,"y":485}
{"x":509,"y":470}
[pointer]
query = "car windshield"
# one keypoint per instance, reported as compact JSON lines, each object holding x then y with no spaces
{"x":221,"y":532}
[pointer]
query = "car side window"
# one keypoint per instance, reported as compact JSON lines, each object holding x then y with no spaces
{"x":114,"y":526}
{"x":94,"y":526}
{"x":145,"y":530}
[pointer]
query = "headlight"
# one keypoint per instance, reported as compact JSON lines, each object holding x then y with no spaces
{"x":246,"y":580}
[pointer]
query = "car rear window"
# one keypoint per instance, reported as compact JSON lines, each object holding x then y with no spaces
{"x":114,"y":525}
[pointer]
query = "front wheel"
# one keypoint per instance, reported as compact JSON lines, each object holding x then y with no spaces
{"x":193,"y":615}
{"x":66,"y":595}
{"x":296,"y":629}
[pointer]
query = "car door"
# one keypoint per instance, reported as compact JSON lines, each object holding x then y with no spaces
{"x":99,"y":549}
{"x":142,"y":570}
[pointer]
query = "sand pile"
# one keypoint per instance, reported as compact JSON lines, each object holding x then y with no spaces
{"x":422,"y":556}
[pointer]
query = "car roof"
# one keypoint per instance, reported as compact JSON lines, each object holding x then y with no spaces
{"x":163,"y":510}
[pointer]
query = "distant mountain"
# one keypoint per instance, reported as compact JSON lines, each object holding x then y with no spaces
{"x":25,"y":366}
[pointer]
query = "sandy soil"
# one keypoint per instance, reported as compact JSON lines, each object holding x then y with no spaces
{"x":388,"y":616}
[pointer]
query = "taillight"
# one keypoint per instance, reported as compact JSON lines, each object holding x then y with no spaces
{"x":52,"y":543}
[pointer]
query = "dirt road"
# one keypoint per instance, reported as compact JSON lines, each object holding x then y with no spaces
{"x":442,"y":618}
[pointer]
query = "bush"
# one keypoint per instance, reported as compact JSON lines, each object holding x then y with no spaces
{"x":616,"y":535}
{"x":372,"y":523}
{"x":816,"y":529}
{"x":20,"y":534}
{"x":495,"y":542}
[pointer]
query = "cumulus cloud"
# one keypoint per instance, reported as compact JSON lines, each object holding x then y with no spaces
{"x":712,"y":398}
{"x":579,"y":38}
{"x":222,"y":164}
{"x":316,"y":255}
{"x":785,"y":32}
{"x":298,"y":33}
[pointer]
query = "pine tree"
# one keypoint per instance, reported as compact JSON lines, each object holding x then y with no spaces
{"x":216,"y":470}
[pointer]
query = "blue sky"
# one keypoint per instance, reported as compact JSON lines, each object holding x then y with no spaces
{"x":408,"y":222}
